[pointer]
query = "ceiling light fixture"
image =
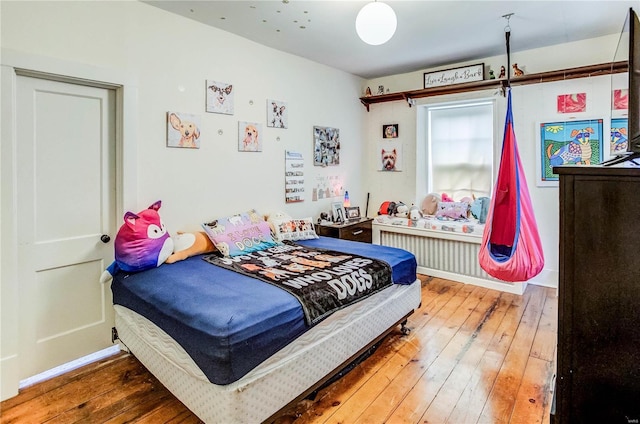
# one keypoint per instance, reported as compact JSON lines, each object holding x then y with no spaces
{"x":376,"y":23}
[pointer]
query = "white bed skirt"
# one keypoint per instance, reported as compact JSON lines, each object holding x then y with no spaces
{"x":280,"y":379}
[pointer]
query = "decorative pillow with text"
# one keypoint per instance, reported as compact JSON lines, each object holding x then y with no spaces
{"x":240,"y":234}
{"x":294,"y":229}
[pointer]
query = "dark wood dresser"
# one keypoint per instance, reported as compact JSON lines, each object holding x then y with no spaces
{"x":354,"y":230}
{"x":598,"y":356}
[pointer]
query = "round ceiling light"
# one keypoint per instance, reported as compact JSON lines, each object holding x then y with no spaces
{"x":376,"y":23}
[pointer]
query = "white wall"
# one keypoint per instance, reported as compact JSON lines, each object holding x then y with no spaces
{"x":171,"y":57}
{"x":165,"y":60}
{"x":532,"y":104}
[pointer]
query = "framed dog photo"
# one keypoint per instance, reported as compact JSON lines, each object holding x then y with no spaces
{"x":277,"y":114}
{"x":219,"y":97}
{"x":390,"y":131}
{"x":352,"y":212}
{"x":183,"y":130}
{"x":390,"y":159}
{"x":249,"y":136}
{"x":337,"y":212}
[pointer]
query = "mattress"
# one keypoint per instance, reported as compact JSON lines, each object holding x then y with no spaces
{"x":227,"y":322}
{"x":281,"y":378}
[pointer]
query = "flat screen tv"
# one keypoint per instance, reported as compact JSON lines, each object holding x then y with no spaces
{"x":632,"y":28}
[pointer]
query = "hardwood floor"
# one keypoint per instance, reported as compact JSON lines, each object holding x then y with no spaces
{"x":473,"y":356}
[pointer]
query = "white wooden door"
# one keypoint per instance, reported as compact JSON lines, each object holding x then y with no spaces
{"x":66,"y":202}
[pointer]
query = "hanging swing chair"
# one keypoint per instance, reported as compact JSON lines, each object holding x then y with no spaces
{"x":511,"y":249}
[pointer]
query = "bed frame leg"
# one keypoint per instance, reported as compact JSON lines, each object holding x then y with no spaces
{"x":403,"y":328}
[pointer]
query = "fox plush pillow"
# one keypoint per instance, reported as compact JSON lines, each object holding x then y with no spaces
{"x":142,"y":243}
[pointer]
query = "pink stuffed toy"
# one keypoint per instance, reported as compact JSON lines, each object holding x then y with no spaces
{"x":141,"y":243}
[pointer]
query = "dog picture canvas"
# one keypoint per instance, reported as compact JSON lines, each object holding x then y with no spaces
{"x":277,"y":114}
{"x":183,"y":130}
{"x":219,"y":97}
{"x":390,"y":159}
{"x":249,"y":136}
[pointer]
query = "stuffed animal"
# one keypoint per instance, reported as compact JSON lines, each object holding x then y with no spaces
{"x":142,"y":243}
{"x":414,"y":213}
{"x":190,"y":244}
{"x":402,"y":210}
{"x":387,"y":208}
{"x":447,"y":198}
{"x":430,"y":204}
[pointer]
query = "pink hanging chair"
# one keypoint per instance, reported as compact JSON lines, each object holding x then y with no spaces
{"x":511,"y":249}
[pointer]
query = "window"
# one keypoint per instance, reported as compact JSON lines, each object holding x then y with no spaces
{"x":459,"y":151}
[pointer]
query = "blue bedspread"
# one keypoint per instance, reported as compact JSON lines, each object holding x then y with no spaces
{"x":228,"y":322}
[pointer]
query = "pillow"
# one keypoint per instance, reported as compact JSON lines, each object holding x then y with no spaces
{"x":430,"y":204}
{"x":452,"y":210}
{"x":293,"y":229}
{"x":240,"y":234}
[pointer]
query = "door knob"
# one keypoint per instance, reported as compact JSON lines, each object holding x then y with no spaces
{"x":105,"y":238}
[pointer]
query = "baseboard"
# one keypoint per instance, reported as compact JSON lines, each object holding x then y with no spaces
{"x":69,"y":366}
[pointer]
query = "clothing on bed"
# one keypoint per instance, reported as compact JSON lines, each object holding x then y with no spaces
{"x":322,"y":280}
{"x":228,"y":322}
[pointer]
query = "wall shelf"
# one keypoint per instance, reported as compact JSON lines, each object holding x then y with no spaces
{"x":563,"y":74}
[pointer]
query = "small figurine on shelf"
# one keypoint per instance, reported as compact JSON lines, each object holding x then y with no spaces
{"x":503,"y":72}
{"x":491,"y":74}
{"x":517,"y":71}
{"x":381,"y":89}
{"x":368,"y":92}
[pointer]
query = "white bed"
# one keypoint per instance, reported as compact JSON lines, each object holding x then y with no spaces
{"x":289,"y":375}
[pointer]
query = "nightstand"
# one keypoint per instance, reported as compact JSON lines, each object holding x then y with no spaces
{"x":353,"y":230}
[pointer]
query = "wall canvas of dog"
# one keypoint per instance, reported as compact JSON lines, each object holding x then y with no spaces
{"x":249,"y":136}
{"x":183,"y":130}
{"x":277,"y":114}
{"x":390,"y":157}
{"x":219,"y":97}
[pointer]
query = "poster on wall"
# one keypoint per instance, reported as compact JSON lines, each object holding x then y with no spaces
{"x":619,"y":131}
{"x":568,"y":143}
{"x":620,"y":99}
{"x":326,"y":146}
{"x":293,"y":177}
{"x":572,"y":103}
{"x":183,"y":130}
{"x":327,"y":186}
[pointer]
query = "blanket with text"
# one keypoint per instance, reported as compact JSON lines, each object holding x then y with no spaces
{"x":324,"y":281}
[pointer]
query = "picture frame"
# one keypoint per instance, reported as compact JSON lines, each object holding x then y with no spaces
{"x":454,"y":76}
{"x":277,"y":114}
{"x":352,"y":212}
{"x":249,"y":136}
{"x":563,"y":143}
{"x":390,"y":131}
{"x":619,"y":132}
{"x":326,"y":146}
{"x":219,"y":97}
{"x":183,"y":130}
{"x":390,"y":159}
{"x":337,"y":213}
